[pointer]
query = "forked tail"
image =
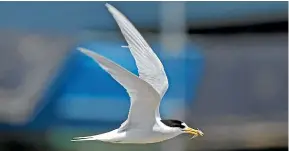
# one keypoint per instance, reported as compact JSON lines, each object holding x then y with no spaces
{"x":105,"y":137}
{"x":86,"y":138}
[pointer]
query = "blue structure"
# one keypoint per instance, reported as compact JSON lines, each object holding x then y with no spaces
{"x":85,"y":95}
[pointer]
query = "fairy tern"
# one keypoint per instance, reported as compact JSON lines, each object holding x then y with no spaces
{"x":144,"y":124}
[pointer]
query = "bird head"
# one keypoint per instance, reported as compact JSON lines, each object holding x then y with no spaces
{"x":182,"y":127}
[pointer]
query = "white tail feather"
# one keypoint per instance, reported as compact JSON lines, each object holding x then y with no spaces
{"x":111,"y":136}
{"x":86,"y":138}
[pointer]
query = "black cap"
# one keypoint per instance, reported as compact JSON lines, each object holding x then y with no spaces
{"x":173,"y":123}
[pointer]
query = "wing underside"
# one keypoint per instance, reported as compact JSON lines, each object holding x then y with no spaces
{"x":149,"y":66}
{"x":144,"y":99}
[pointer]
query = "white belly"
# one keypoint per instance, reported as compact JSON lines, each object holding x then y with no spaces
{"x":143,"y":137}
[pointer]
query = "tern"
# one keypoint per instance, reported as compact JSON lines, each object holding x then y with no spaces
{"x":144,"y":124}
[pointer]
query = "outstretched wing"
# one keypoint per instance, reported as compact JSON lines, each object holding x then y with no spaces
{"x":149,"y":66}
{"x":144,"y":99}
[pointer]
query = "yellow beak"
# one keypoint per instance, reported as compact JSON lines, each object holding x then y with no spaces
{"x":194,"y":131}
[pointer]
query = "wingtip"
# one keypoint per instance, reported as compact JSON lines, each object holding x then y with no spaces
{"x":110,"y":8}
{"x":89,"y":53}
{"x":107,"y":5}
{"x":79,"y":48}
{"x":83,"y":50}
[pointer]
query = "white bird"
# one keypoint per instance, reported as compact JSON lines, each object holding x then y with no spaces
{"x":144,"y":124}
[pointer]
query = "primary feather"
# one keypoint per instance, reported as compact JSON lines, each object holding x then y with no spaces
{"x":149,"y":66}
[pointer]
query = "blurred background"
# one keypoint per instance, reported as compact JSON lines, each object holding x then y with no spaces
{"x":226,"y":63}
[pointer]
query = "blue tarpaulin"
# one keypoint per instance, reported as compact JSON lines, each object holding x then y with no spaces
{"x":84,"y":94}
